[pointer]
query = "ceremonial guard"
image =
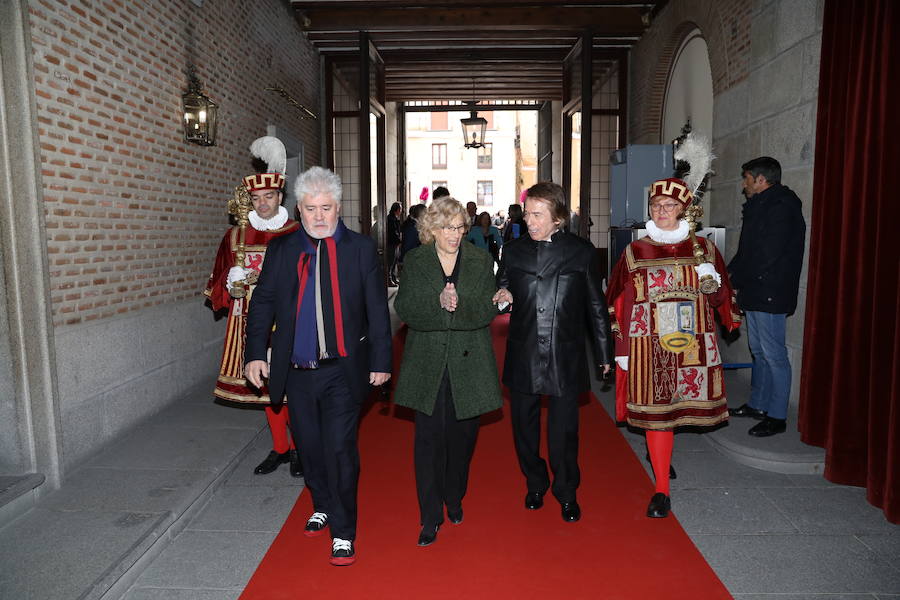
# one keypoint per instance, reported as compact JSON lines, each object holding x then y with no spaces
{"x":662,"y":295}
{"x":256,"y":206}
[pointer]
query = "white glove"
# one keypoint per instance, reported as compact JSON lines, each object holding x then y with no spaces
{"x":622,"y":361}
{"x":708,"y":269}
{"x":236,"y":274}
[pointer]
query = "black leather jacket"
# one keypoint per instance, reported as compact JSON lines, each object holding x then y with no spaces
{"x":557,"y":305}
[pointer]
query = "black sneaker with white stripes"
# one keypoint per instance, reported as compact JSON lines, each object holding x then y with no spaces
{"x":316,"y":524}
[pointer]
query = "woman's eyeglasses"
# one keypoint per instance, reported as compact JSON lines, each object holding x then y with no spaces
{"x":452,"y":229}
{"x":668,"y":207}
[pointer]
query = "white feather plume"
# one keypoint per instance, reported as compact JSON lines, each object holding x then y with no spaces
{"x":696,"y":151}
{"x":271,"y":150}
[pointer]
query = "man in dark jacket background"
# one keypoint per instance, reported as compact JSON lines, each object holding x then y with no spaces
{"x":552,"y":279}
{"x":766,"y":274}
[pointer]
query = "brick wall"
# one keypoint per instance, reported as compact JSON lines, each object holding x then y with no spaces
{"x":725,"y":25}
{"x":134,"y":213}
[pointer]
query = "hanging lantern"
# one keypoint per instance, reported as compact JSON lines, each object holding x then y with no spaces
{"x":473,"y":129}
{"x":200,"y":114}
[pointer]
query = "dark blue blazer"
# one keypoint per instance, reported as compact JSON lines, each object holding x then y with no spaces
{"x":367,"y":326}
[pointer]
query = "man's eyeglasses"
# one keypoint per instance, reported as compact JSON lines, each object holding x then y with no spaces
{"x":666,"y":208}
{"x":452,"y":229}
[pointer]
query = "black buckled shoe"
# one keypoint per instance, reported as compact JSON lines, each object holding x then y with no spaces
{"x":534,"y":500}
{"x":659,"y":506}
{"x":271,"y":463}
{"x":296,"y":465}
{"x":768,"y":426}
{"x":316,"y":524}
{"x":428,"y":535}
{"x":745,"y":410}
{"x":455,"y":516}
{"x":571,"y":512}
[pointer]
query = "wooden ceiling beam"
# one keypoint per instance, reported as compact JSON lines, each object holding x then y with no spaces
{"x":616,"y":20}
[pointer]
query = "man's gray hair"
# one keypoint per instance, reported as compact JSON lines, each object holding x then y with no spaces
{"x":317,"y":181}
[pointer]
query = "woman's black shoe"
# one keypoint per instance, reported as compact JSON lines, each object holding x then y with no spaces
{"x":659,"y":506}
{"x":455,"y":516}
{"x":428,"y":535}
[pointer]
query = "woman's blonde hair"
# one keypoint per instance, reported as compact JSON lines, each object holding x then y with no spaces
{"x":440,"y":213}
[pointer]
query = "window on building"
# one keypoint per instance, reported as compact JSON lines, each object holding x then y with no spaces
{"x":439,"y":121}
{"x":439,"y":156}
{"x":486,"y":156}
{"x":485,"y":193}
{"x":488,"y":116}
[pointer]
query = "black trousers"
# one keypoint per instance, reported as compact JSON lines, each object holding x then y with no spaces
{"x":562,"y":442}
{"x":442,"y":454}
{"x":325,"y":421}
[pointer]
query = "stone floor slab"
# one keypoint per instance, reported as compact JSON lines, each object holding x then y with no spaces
{"x":48,"y":554}
{"x":728,"y":511}
{"x":172,"y":447}
{"x":207,"y":560}
{"x":244,"y":508}
{"x":798,"y":564}
{"x":804,"y":597}
{"x":830,"y":510}
{"x":174,"y":594}
{"x":886,"y":545}
{"x":711,"y":469}
{"x":215,"y":415}
{"x":136,"y":490}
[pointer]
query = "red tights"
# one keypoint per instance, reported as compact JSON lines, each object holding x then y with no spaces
{"x":279,"y":427}
{"x":659,"y":444}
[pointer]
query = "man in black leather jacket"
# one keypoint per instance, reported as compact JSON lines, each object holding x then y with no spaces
{"x":766,"y":274}
{"x":552,"y":278}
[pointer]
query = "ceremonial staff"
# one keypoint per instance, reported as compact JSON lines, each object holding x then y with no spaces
{"x":240,"y":206}
{"x":695,"y":152}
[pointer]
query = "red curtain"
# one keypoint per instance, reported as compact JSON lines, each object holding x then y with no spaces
{"x":849,"y":384}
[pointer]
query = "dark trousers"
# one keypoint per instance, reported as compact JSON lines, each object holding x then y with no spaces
{"x":442,"y":453}
{"x":325,"y":420}
{"x":562,"y":442}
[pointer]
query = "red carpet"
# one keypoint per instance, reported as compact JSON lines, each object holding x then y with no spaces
{"x":500,"y":550}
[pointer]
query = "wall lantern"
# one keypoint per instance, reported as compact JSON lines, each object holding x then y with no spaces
{"x":200,"y":113}
{"x":473,"y":128}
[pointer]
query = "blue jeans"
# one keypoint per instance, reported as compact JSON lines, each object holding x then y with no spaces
{"x":770,"y":381}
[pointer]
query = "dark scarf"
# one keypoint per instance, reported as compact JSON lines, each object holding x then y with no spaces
{"x":319,"y":328}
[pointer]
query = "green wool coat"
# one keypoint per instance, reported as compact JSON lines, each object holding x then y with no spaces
{"x":436,"y":339}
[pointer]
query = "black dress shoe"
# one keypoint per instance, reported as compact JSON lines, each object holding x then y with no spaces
{"x":296,"y":466}
{"x":534,"y":500}
{"x":428,"y":535}
{"x":571,"y":512}
{"x":672,"y":473}
{"x":455,"y":516}
{"x":745,"y":410}
{"x":659,"y":506}
{"x":768,"y":426}
{"x":271,"y":463}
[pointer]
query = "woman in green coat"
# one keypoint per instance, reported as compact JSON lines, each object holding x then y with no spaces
{"x":448,"y":375}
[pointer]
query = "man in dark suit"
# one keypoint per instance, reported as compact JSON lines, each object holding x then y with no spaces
{"x":552,"y":279}
{"x":323,"y":289}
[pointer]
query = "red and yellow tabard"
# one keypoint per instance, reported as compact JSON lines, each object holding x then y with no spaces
{"x":231,"y":384}
{"x":666,"y":327}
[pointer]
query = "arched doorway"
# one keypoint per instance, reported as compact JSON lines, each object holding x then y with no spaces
{"x":689,"y":93}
